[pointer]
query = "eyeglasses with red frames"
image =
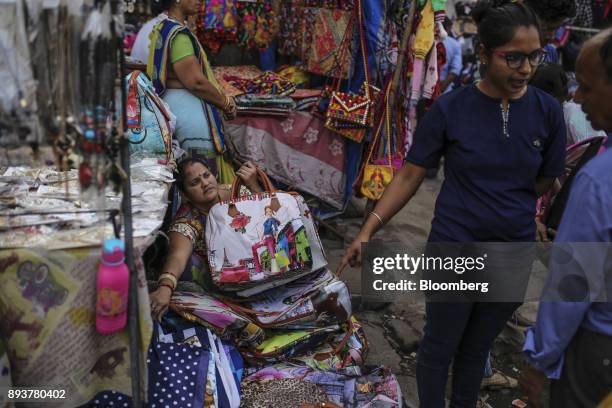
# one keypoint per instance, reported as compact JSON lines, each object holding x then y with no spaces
{"x":515,"y":59}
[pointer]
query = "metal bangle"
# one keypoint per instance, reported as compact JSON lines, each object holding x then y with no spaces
{"x":378,"y":217}
{"x":169,"y":277}
{"x":166,"y":285}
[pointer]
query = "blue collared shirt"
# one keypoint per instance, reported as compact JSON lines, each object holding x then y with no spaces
{"x":453,"y":64}
{"x":587,"y":218}
{"x":552,"y":55}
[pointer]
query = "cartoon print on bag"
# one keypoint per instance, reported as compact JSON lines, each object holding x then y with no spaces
{"x":239,"y":222}
{"x":277,"y":242}
{"x":239,"y":219}
{"x":38,"y":286}
{"x":271,"y":223}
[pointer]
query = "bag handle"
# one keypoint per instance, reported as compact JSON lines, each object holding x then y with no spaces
{"x":263,"y":177}
{"x":387,"y":121}
{"x":345,"y":339}
{"x":342,"y":54}
{"x":356,"y":17}
{"x":339,"y":270}
{"x":224,"y":370}
{"x":364,"y":53}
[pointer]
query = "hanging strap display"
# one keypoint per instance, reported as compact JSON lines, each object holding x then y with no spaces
{"x":376,"y":177}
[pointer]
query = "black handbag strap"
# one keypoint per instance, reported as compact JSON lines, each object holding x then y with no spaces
{"x":560,"y":202}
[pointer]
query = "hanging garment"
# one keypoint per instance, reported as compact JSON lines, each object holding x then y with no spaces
{"x":424,"y":41}
{"x":256,"y":24}
{"x":290,"y":15}
{"x":217,"y":24}
{"x":432,"y":75}
{"x":327,"y":33}
{"x":19,"y":87}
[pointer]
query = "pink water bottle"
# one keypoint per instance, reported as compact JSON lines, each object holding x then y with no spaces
{"x":112,"y":288}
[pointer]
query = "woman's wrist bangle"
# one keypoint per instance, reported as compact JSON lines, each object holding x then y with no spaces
{"x":166,"y":285}
{"x":169,"y":277}
{"x":382,"y":224}
{"x":227,"y":104}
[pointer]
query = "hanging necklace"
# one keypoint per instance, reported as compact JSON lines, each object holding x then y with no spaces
{"x":505,"y":117}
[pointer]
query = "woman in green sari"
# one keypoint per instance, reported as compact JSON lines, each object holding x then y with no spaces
{"x":182,"y":76}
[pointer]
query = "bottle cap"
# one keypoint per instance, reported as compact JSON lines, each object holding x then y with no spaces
{"x":113,"y":251}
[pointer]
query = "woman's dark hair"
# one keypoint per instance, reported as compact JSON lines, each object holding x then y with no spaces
{"x":182,"y":167}
{"x":551,"y":78}
{"x":159,"y":6}
{"x":498,"y":20}
{"x":553,"y":10}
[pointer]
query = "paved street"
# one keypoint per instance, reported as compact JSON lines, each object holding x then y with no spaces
{"x":394,"y":330}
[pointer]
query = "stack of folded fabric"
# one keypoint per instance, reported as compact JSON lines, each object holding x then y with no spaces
{"x":269,"y":83}
{"x":306,"y":99}
{"x":264,"y":105}
{"x":240,"y":71}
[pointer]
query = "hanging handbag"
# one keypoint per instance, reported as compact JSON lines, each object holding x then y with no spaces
{"x":347,"y":110}
{"x":261,"y":241}
{"x":376,"y":177}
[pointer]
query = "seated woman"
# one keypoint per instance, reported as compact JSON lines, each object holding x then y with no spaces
{"x":180,"y":72}
{"x":200,"y":192}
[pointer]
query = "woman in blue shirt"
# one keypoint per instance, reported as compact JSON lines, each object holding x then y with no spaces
{"x":503,"y":143}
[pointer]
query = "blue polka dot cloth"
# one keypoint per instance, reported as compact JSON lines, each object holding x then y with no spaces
{"x":177,"y":378}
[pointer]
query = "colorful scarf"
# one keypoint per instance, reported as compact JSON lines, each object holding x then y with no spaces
{"x":157,"y":69}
